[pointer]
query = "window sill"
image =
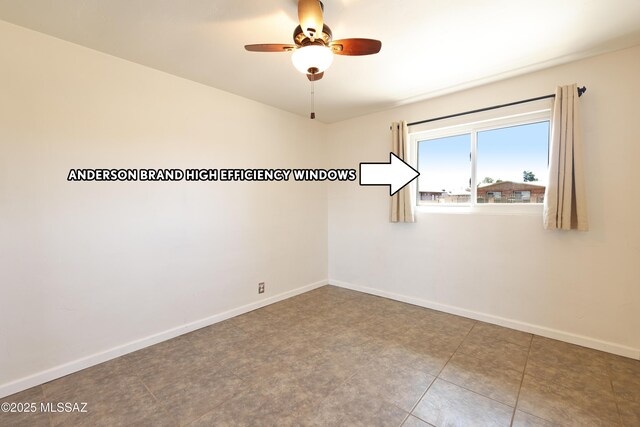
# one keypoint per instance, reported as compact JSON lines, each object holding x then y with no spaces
{"x":533,"y":209}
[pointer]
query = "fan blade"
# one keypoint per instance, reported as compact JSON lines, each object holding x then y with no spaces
{"x":310,"y":17}
{"x":269,"y":47}
{"x":315,"y":77}
{"x":356,"y":47}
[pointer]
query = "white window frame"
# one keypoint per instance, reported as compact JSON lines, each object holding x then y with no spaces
{"x":534,"y":112}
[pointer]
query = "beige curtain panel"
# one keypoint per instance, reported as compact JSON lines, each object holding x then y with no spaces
{"x":565,"y":205}
{"x":402,"y":204}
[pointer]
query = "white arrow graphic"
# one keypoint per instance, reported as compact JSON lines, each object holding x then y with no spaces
{"x":396,"y":174}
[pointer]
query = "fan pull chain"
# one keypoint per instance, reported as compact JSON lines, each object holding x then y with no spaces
{"x":313,"y":101}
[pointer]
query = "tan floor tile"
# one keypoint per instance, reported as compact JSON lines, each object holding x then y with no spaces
{"x":159,"y":368}
{"x":378,"y":328}
{"x":349,"y":405}
{"x":399,"y":385}
{"x":242,"y":409}
{"x":259,"y":322}
{"x":446,"y":404}
{"x":84,"y":383}
{"x":522,"y":419}
{"x":324,"y":311}
{"x":276,"y":366}
{"x":335,"y":292}
{"x":276,"y":402}
{"x":343,"y":338}
{"x":577,"y":407}
{"x":382,"y":415}
{"x":327,"y":374}
{"x":301,"y":351}
{"x":567,"y":364}
{"x":34,"y":417}
{"x":173,"y":349}
{"x":428,"y":356}
{"x":490,"y":380}
{"x":347,"y":348}
{"x":445,"y":323}
{"x":350,"y":317}
{"x":114,"y":400}
{"x":499,"y":333}
{"x":325,"y":298}
{"x":452,"y":338}
{"x":625,"y":377}
{"x":412,"y":421}
{"x":293,"y":319}
{"x":338,"y":357}
{"x":288,"y":401}
{"x":562,"y":351}
{"x":287,"y":306}
{"x":568,"y":375}
{"x":629,"y":413}
{"x":223,"y":333}
{"x":242,"y":357}
{"x":197,"y":393}
{"x":496,"y":352}
{"x":86,"y":379}
{"x":381,"y":306}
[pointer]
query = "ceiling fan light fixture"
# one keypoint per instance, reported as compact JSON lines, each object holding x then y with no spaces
{"x":313,"y":57}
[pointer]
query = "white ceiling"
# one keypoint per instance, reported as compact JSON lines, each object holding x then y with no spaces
{"x":429,"y":47}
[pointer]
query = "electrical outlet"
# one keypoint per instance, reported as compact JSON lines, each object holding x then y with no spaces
{"x":261,"y":288}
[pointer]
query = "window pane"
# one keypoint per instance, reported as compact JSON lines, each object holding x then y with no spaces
{"x":512,"y":162}
{"x":445,"y":170}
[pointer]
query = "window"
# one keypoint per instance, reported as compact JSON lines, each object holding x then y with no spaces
{"x":444,"y":170}
{"x":522,"y":195}
{"x":497,"y":161}
{"x":495,"y":195}
{"x":513,"y":161}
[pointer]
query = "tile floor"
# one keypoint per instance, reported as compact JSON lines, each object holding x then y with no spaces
{"x":338,"y":357}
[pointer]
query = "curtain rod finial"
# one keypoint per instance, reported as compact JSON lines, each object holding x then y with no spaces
{"x":582,"y":90}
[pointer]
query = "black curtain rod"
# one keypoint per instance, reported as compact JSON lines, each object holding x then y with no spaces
{"x":581,"y":90}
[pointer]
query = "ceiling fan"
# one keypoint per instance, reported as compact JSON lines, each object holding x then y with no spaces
{"x":314,"y":47}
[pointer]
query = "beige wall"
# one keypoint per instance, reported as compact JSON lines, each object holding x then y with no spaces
{"x":581,"y":287}
{"x":89,"y":267}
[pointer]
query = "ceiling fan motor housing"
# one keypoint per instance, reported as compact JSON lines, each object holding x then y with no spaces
{"x":300,"y":39}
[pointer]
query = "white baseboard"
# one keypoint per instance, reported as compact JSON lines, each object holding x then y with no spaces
{"x":569,"y":337}
{"x":97,"y":358}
